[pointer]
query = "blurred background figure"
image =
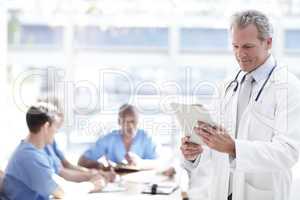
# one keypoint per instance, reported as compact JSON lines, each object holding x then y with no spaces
{"x":62,"y":166}
{"x":30,"y":172}
{"x":127,"y":145}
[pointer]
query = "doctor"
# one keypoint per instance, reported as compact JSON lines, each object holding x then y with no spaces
{"x":257,"y":143}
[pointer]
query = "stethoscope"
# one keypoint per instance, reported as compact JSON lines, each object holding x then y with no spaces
{"x":236,"y":82}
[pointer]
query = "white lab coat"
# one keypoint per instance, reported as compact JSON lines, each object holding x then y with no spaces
{"x":199,"y":182}
{"x":267,"y":145}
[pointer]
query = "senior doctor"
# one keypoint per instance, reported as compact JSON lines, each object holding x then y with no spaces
{"x":257,"y":143}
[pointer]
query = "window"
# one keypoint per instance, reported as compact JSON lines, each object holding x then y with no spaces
{"x":38,"y":35}
{"x":203,"y":39}
{"x":96,"y":37}
{"x":292,"y":39}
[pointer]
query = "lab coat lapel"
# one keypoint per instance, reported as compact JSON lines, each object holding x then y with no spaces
{"x":221,"y":179}
{"x":234,"y":114}
{"x":238,"y":177}
{"x":230,"y":111}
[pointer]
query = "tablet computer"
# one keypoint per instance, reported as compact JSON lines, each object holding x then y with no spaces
{"x":188,"y":116}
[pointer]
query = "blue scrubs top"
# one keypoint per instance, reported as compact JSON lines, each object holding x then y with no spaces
{"x":111,"y":145}
{"x":29,"y":174}
{"x":56,"y":156}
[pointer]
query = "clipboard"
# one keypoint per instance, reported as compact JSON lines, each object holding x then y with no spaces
{"x":121,"y":168}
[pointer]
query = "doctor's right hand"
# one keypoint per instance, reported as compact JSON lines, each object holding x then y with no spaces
{"x":190,"y":150}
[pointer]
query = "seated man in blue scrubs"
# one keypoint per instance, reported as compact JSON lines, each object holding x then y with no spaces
{"x":62,"y":166}
{"x":29,"y":173}
{"x":127,"y":145}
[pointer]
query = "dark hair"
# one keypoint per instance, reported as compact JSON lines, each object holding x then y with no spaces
{"x":127,"y":109}
{"x":39,"y":114}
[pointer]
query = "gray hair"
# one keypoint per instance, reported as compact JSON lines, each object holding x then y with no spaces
{"x":257,"y":18}
{"x":127,"y":109}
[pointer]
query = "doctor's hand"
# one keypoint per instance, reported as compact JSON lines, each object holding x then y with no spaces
{"x":216,"y":138}
{"x":190,"y":150}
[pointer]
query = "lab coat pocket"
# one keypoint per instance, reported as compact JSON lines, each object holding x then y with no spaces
{"x":252,"y":193}
{"x":262,"y":123}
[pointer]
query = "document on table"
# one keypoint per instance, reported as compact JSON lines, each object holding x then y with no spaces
{"x":114,"y":187}
{"x":145,"y":177}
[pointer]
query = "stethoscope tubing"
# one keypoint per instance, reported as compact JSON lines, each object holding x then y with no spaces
{"x":237,"y":83}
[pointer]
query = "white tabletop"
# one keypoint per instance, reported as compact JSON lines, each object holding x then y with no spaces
{"x":134,"y":185}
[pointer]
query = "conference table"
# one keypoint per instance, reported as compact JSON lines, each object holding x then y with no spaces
{"x":131,"y":189}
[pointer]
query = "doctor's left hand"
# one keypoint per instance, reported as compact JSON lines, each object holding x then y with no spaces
{"x":216,"y":138}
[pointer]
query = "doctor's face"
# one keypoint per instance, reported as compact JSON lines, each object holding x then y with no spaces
{"x":128,"y":124}
{"x":250,"y":51}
